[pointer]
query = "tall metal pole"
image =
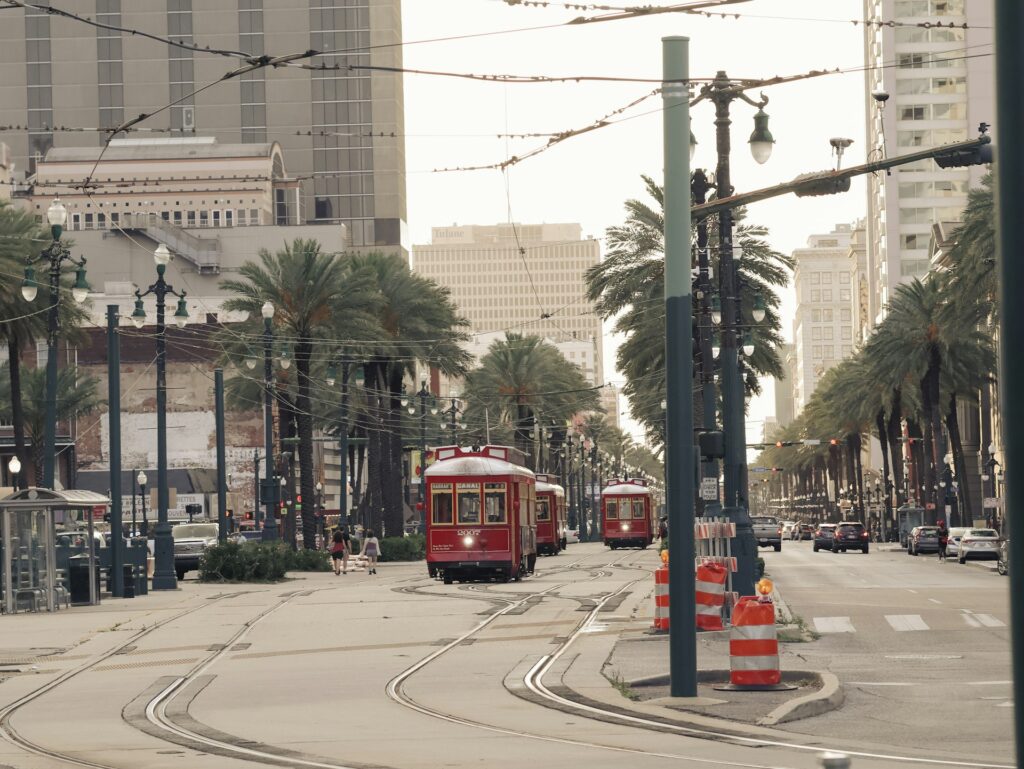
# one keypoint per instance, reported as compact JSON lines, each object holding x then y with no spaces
{"x":164,"y":575}
{"x":679,"y":455}
{"x":135,"y":524}
{"x":421,"y":507}
{"x":343,"y":450}
{"x":1009,"y":31}
{"x":581,"y":494}
{"x":114,"y":416}
{"x":709,"y":468}
{"x":222,"y":471}
{"x":733,"y":413}
{"x":269,"y":521}
{"x":50,"y":426}
{"x":256,"y":489}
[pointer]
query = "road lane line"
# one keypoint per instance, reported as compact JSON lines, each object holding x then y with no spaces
{"x":834,"y":625}
{"x":935,"y":600}
{"x":903,"y":623}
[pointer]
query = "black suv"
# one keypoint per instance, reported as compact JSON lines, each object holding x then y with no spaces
{"x":850,"y":535}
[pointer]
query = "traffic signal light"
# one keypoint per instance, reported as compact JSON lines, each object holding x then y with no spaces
{"x":780,"y":444}
{"x":957,"y":159}
{"x":833,"y":441}
{"x":248,"y":515}
{"x":821,"y":183}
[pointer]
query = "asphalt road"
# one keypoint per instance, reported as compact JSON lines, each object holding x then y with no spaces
{"x":397,"y":670}
{"x":922,"y":647}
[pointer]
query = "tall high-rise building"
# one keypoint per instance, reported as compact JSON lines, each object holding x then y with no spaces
{"x":785,"y":410}
{"x":526,"y":278}
{"x":939,"y":91}
{"x":823,"y":324}
{"x":336,"y":122}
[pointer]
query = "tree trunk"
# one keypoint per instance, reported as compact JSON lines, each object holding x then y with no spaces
{"x":893,"y":433}
{"x":307,"y":479}
{"x":375,"y":450}
{"x":28,"y":466}
{"x":953,"y":426}
{"x":286,"y":431}
{"x":859,"y":479}
{"x":883,"y":440}
{"x":933,"y":430}
{"x":394,"y":508}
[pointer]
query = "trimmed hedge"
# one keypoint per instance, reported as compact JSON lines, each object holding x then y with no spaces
{"x":411,"y":548}
{"x":257,"y":562}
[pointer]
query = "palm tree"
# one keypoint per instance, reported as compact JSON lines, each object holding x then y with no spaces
{"x":307,"y":288}
{"x":522,"y":380}
{"x":77,"y":396}
{"x":418,"y":322}
{"x":629,"y":286}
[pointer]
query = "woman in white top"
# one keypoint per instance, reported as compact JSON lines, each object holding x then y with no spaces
{"x":371,"y":549}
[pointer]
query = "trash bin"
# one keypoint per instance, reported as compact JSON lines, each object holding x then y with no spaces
{"x":78,"y":578}
{"x":129,"y":581}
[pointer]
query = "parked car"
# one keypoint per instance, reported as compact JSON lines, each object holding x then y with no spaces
{"x":923,"y":539}
{"x":572,"y":536}
{"x":767,"y":531}
{"x":850,"y":535}
{"x":190,"y":541}
{"x":803,"y":531}
{"x":953,"y":543}
{"x":823,"y":536}
{"x":1003,"y":562}
{"x":978,"y":544}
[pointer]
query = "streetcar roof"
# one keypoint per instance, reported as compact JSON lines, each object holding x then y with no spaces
{"x":552,"y":487}
{"x":488,"y":460}
{"x":626,"y":488}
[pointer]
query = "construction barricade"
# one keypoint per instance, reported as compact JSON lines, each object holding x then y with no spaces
{"x":710,"y":596}
{"x":754,"y":645}
{"x":661,"y":602}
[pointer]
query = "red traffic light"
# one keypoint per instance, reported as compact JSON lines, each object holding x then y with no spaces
{"x":833,"y":441}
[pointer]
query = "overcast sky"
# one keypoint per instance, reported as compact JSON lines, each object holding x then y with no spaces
{"x":454,"y":122}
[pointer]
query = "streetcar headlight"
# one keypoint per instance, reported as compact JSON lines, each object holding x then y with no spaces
{"x":625,"y":527}
{"x":467,"y":541}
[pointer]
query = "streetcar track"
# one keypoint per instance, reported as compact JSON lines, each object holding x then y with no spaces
{"x":13,"y":736}
{"x":534,"y":681}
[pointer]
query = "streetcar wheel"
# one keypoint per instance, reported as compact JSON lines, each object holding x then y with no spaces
{"x":448,"y":578}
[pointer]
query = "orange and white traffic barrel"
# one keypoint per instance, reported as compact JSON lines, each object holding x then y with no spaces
{"x":661,"y":600}
{"x":754,"y":645}
{"x":710,"y":596}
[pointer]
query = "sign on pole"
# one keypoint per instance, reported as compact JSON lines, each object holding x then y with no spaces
{"x":709,"y":489}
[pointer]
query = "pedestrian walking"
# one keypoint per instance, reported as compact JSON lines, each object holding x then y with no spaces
{"x":943,"y":540}
{"x":339,"y":552}
{"x":371,"y":549}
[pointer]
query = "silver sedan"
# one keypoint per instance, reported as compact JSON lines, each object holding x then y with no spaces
{"x":978,"y":544}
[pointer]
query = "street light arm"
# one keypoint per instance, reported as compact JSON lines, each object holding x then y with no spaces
{"x":818,"y":179}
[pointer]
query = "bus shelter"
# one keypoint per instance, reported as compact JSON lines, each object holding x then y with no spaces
{"x":28,"y":531}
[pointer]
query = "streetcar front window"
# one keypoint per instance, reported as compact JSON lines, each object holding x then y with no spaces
{"x":441,"y":504}
{"x":611,"y":510}
{"x":638,"y":508}
{"x":543,"y":511}
{"x":468,"y":503}
{"x":494,"y":502}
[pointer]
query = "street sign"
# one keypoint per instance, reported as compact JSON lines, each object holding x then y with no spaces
{"x":759,"y":469}
{"x":991,"y":503}
{"x":709,"y":489}
{"x":811,"y":441}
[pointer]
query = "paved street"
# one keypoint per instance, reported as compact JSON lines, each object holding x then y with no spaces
{"x":401,"y":671}
{"x":901,"y":633}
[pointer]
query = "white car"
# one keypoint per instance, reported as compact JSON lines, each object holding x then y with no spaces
{"x":787,"y":529}
{"x":572,"y":536}
{"x":953,"y":543}
{"x":977,"y":544}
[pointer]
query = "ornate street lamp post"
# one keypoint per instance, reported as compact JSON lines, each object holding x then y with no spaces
{"x":56,"y":254}
{"x":164,"y":575}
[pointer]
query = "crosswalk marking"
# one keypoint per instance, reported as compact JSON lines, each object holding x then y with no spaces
{"x":989,"y":621}
{"x":906,"y":622}
{"x":970,"y":620}
{"x":833,"y":625}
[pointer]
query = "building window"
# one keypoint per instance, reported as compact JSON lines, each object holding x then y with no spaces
{"x":191,"y":218}
{"x":844,"y":295}
{"x":826,"y":295}
{"x":816,"y":334}
{"x":815,"y":279}
{"x":826,"y":278}
{"x":177,"y":218}
{"x":846,"y":332}
{"x":816,"y":352}
{"x":204,"y":218}
{"x":229,"y":218}
{"x":828,"y":333}
{"x":216,"y":218}
{"x":815,"y":295}
{"x":844,"y":314}
{"x":844,"y":278}
{"x":816,"y":316}
{"x":254,"y":216}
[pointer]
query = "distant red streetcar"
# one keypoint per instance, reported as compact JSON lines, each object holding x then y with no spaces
{"x":481,"y":514}
{"x":627,"y":514}
{"x":552,"y":520}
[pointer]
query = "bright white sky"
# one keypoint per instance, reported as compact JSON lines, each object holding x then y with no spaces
{"x":453,"y":122}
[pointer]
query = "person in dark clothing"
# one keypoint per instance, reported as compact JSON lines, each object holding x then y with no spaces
{"x":943,"y":540}
{"x":339,"y":551}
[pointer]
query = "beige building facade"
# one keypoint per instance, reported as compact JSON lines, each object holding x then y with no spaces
{"x":340,"y":124}
{"x":938,"y":93}
{"x":522,"y":278}
{"x":823,"y":324}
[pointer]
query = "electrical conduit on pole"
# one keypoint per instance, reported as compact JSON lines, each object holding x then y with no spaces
{"x":222,"y":480}
{"x":679,"y":454}
{"x":1009,"y":31}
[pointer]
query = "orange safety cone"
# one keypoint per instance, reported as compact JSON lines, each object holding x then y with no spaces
{"x":661,"y":600}
{"x":710,"y":596}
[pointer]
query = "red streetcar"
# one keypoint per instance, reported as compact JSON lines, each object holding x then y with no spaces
{"x":551,"y":516}
{"x":481,"y":514}
{"x":627,"y":514}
